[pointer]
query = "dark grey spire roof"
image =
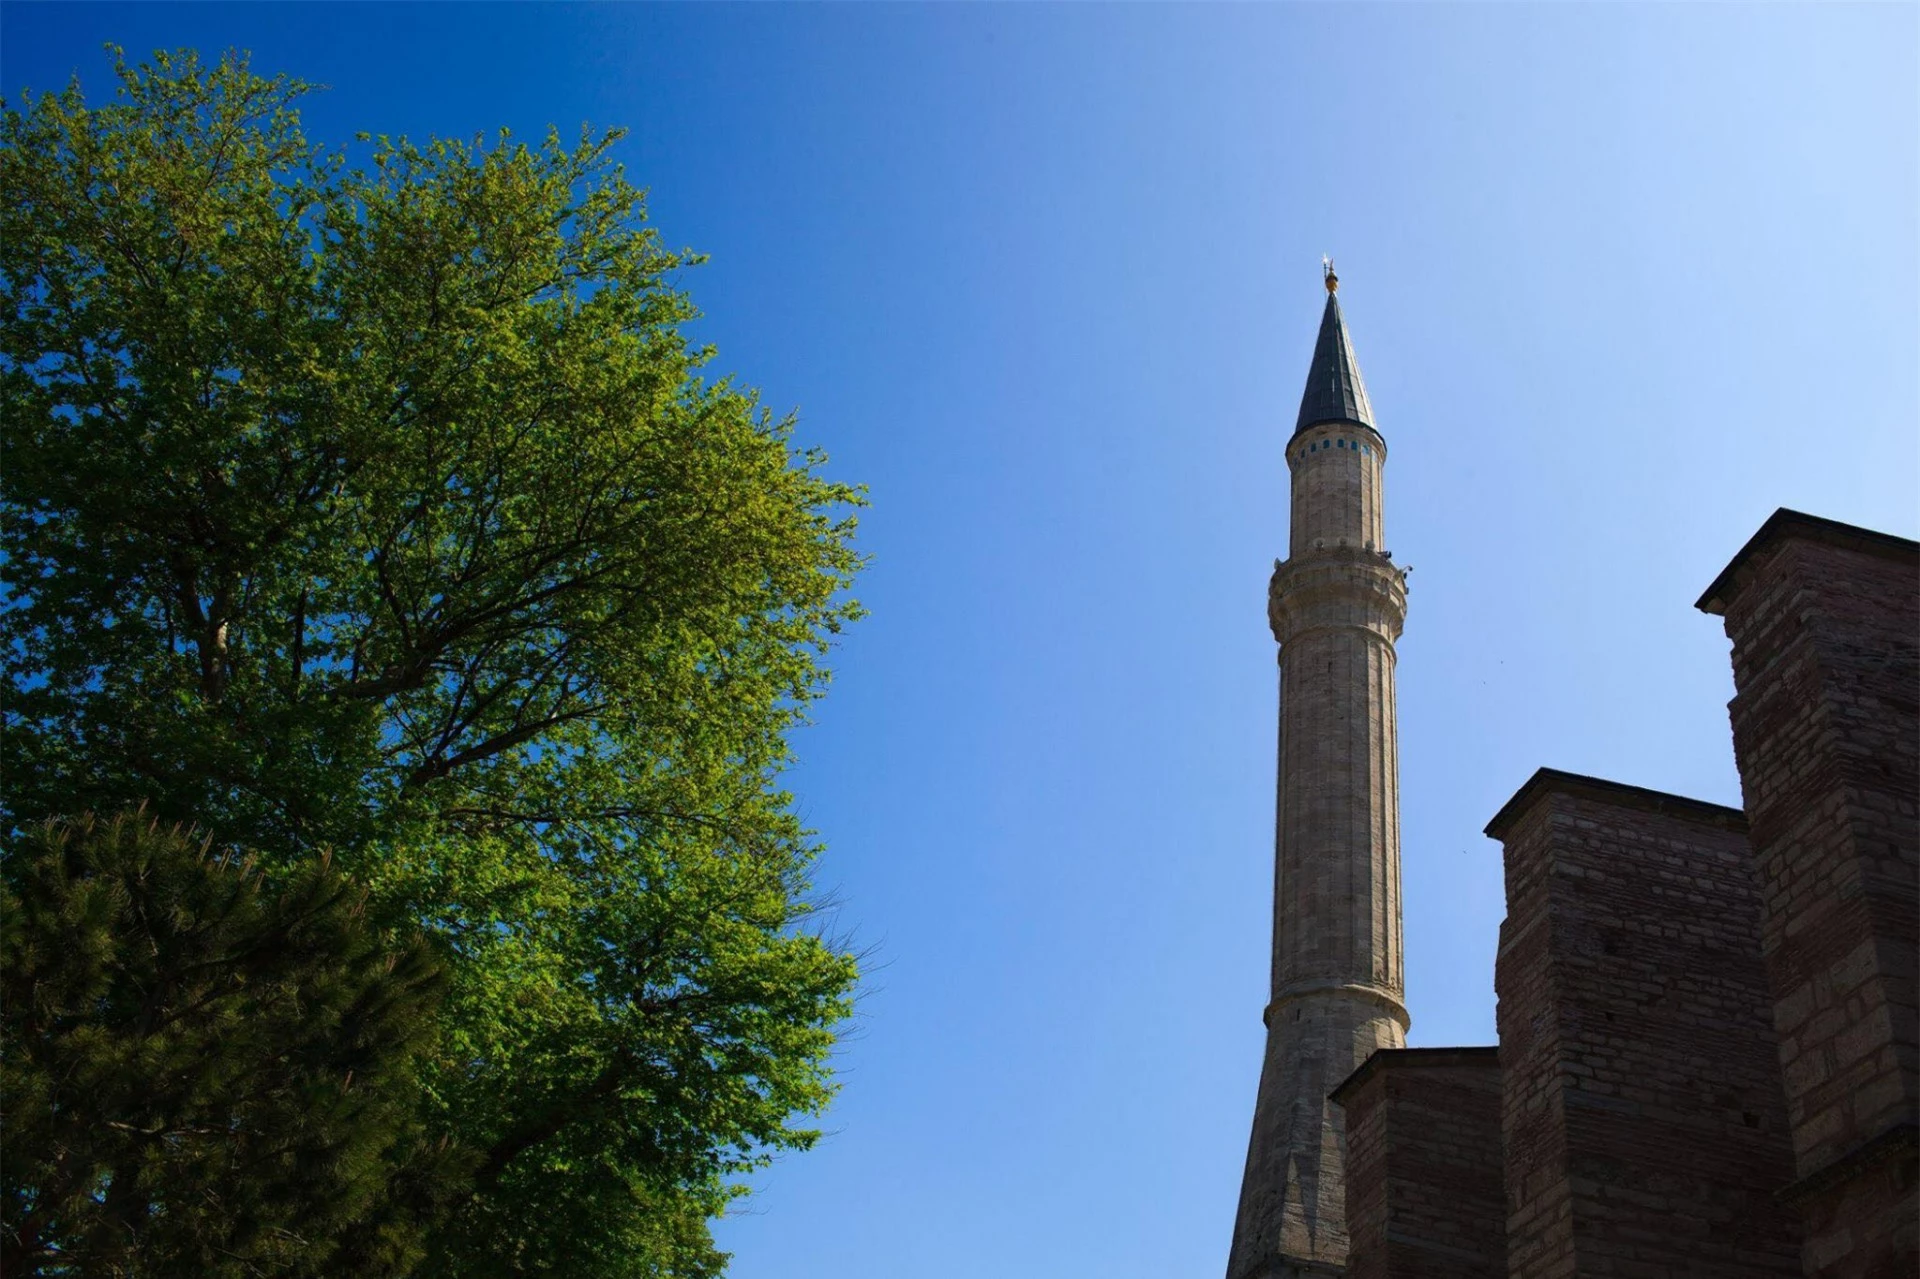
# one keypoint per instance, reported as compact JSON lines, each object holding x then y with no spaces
{"x":1334,"y":392}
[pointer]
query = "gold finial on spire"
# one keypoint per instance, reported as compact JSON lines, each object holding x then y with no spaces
{"x":1326,"y":269}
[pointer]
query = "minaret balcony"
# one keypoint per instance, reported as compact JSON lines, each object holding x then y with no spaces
{"x":1339,"y":587}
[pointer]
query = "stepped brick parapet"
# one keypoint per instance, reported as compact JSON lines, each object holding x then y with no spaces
{"x":1643,"y":1119}
{"x":1423,"y":1165}
{"x":1825,"y":624}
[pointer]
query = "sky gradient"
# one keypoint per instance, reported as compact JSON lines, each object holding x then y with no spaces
{"x":1621,"y":280}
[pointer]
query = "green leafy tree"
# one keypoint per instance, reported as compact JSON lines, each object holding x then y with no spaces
{"x":204,"y":1073}
{"x":378,"y":504}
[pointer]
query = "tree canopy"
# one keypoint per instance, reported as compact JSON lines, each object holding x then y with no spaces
{"x":371,"y":499}
{"x":176,"y":1033}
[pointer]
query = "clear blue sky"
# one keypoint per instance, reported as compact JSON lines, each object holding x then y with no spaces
{"x":1622,"y":280}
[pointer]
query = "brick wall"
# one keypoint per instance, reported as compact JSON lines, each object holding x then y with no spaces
{"x":1824,"y":620}
{"x":1642,"y":1115}
{"x":1423,"y":1196}
{"x":1534,"y":1113}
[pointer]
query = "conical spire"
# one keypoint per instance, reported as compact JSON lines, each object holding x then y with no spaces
{"x":1334,"y":391}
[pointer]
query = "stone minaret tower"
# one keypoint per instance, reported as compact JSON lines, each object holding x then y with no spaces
{"x":1336,"y":605}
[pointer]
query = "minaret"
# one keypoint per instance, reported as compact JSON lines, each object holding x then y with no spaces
{"x":1336,"y":605}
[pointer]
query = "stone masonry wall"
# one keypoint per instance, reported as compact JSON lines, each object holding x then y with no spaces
{"x":1423,"y":1195}
{"x":1643,"y":1121}
{"x":1337,"y":488}
{"x":1292,"y":1215}
{"x":1825,"y":621}
{"x":1337,"y":973}
{"x":1336,"y":606}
